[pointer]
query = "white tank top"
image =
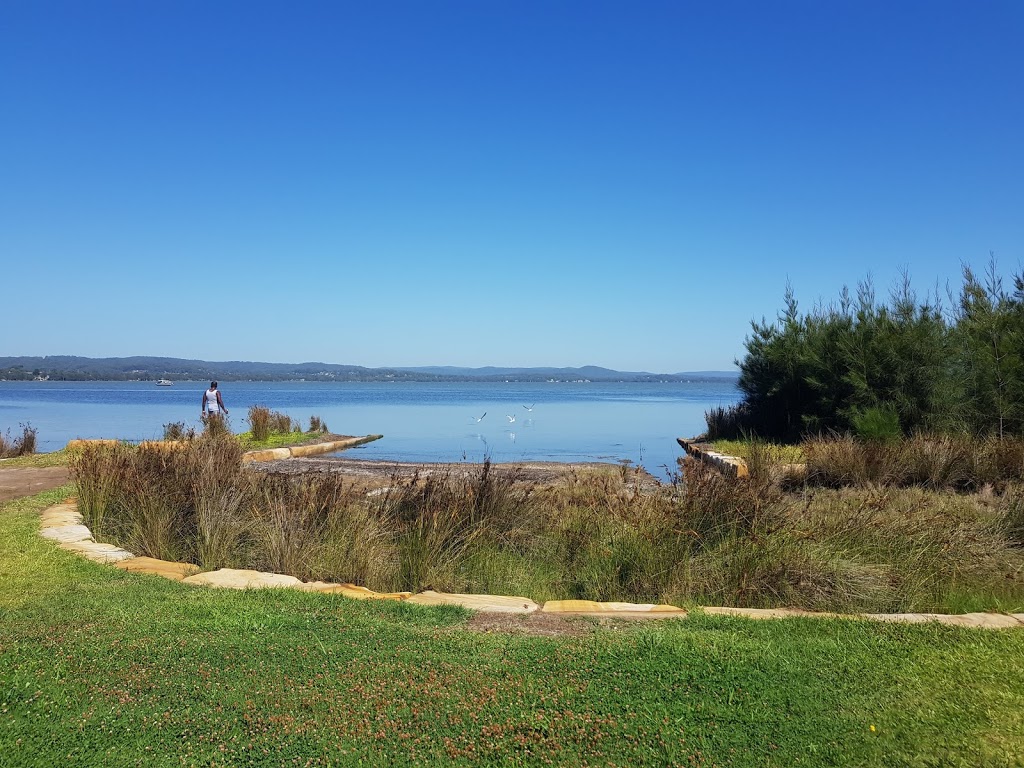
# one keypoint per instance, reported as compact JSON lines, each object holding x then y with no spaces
{"x":211,"y":401}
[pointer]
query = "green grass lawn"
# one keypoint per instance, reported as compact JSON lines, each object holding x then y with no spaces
{"x":100,"y":667}
{"x":280,"y":439}
{"x":781,"y":454}
{"x":52,"y":459}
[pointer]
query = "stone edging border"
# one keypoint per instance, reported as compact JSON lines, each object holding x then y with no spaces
{"x":64,"y":524}
{"x":312,"y":449}
{"x":262,"y":454}
{"x":730,"y":466}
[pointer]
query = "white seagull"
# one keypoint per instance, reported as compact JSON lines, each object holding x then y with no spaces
{"x":511,"y":418}
{"x":529,"y":407}
{"x":481,"y":418}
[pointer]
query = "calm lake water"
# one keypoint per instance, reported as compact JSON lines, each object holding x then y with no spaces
{"x":420,"y":421}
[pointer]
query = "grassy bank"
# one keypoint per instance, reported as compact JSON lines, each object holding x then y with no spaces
{"x":280,"y":440}
{"x":101,"y":667}
{"x":52,"y":459}
{"x":595,"y":535}
{"x":245,"y":440}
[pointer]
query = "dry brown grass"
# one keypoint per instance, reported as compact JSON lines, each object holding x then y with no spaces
{"x":705,"y":539}
{"x":25,"y":445}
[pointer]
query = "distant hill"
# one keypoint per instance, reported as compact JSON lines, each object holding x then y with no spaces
{"x":587,"y":372}
{"x":71,"y":368}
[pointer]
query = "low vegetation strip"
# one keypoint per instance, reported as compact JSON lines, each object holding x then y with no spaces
{"x":62,"y":524}
{"x":103,"y":667}
{"x":594,"y":534}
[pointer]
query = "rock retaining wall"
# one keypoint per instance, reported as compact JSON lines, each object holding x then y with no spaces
{"x":730,"y":466}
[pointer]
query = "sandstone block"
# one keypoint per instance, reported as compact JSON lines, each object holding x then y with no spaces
{"x":613,"y":609}
{"x":55,"y":517}
{"x":232,"y":578}
{"x":489,"y":603}
{"x":166,"y":568}
{"x":97,"y":552}
{"x":66,"y":533}
{"x":978,"y":620}
{"x":268,"y":454}
{"x":351,"y":591}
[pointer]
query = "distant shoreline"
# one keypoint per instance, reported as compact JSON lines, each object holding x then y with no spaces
{"x":654,"y":379}
{"x":70,"y":368}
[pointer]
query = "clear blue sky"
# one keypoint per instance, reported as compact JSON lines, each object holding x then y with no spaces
{"x":481,"y":183}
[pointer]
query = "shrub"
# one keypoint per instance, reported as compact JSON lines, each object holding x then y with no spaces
{"x":877,"y":424}
{"x":153,"y":511}
{"x":317,"y":425}
{"x":19,"y":446}
{"x":216,"y":425}
{"x":280,"y":423}
{"x":290,"y":519}
{"x":177,"y":430}
{"x":953,"y":462}
{"x":100,"y":472}
{"x":259,"y":422}
{"x":357,"y":547}
{"x":1010,"y":520}
{"x":730,"y":423}
{"x":218,"y":497}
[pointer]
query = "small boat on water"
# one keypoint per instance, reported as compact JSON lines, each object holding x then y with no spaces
{"x":164,"y":382}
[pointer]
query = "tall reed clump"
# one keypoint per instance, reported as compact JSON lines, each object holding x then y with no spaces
{"x":735,"y":546}
{"x":357,"y":546}
{"x":281,"y":423}
{"x":606,"y":537}
{"x":154,"y":510}
{"x":18,"y":446}
{"x":1010,"y":519}
{"x":289,"y":519}
{"x":259,"y":422}
{"x":441,"y":519}
{"x":177,"y":430}
{"x":218,"y":494}
{"x":435,"y":528}
{"x":100,"y":472}
{"x":316,"y":424}
{"x":216,"y":425}
{"x":177,"y":501}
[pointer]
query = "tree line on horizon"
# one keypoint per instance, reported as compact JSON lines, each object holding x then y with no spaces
{"x":880,"y":369}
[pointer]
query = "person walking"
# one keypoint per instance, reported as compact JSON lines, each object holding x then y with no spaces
{"x":213,"y":403}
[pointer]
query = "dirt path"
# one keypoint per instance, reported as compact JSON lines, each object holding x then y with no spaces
{"x":28,"y":481}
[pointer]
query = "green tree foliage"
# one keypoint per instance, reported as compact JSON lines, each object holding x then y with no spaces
{"x":932,"y":370}
{"x":990,"y":332}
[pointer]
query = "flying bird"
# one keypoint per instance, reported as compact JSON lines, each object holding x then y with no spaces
{"x":529,"y":407}
{"x":511,"y":418}
{"x":481,"y":418}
